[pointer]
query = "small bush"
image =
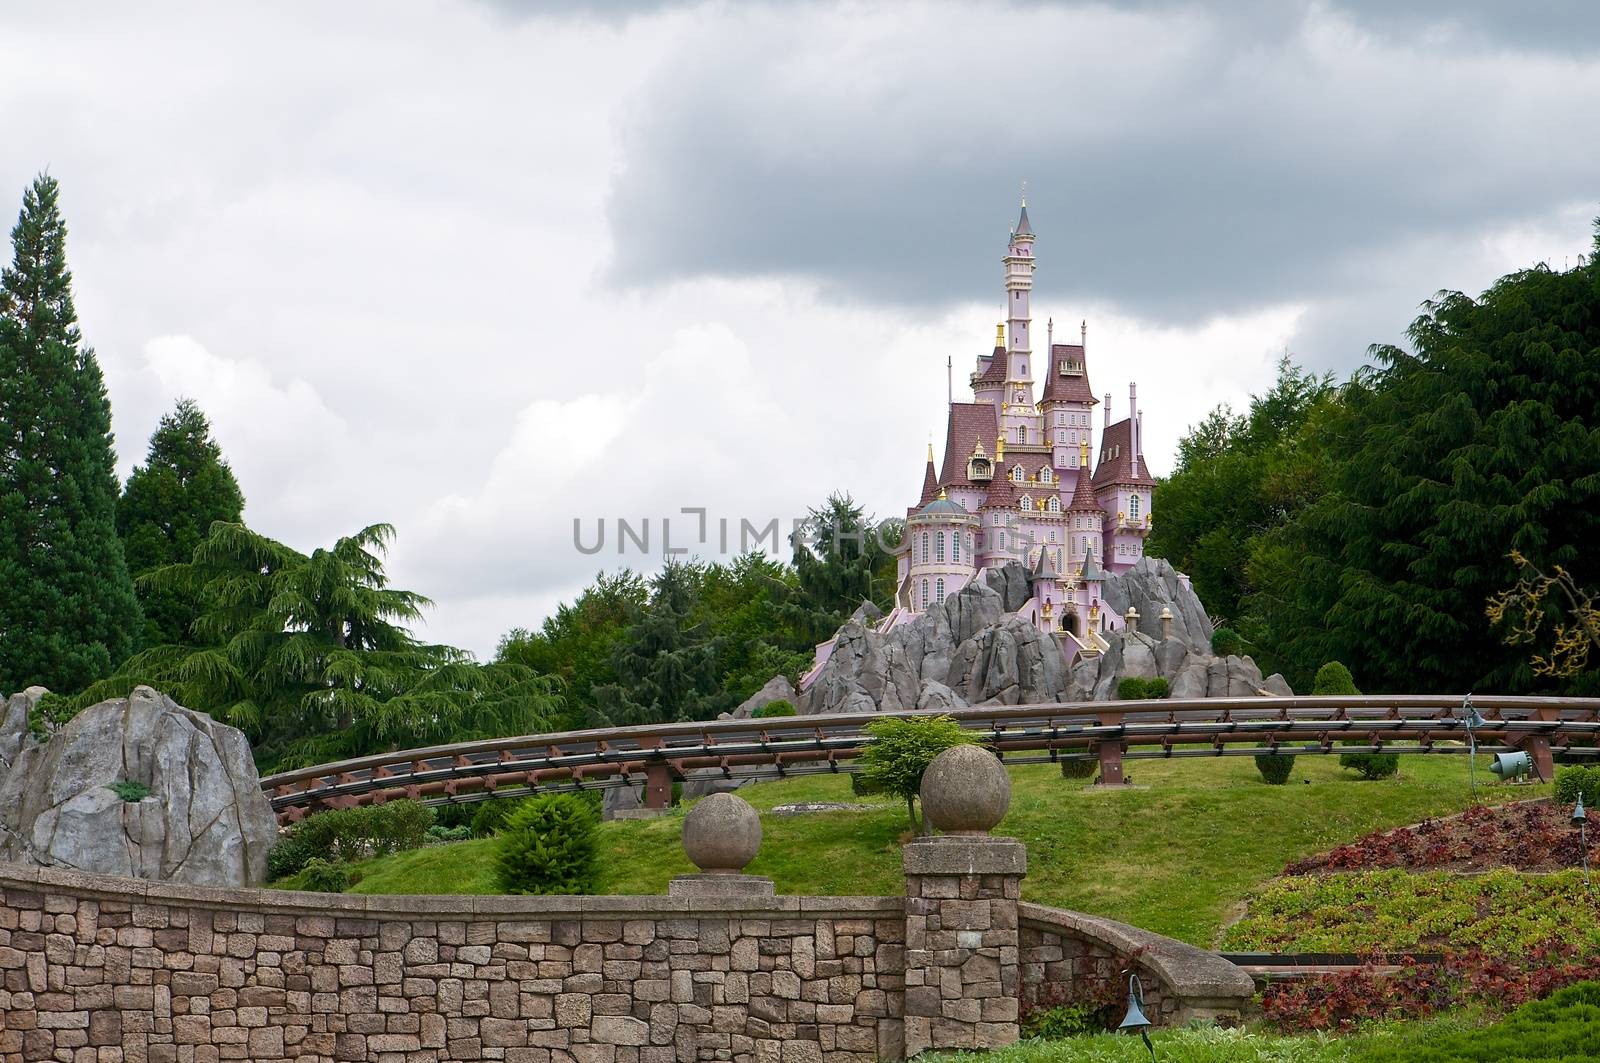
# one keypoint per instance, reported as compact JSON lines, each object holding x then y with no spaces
{"x":454,"y":814}
{"x":1063,"y":1020}
{"x":327,"y":876}
{"x":491,"y":816}
{"x":130,"y":790}
{"x":773,"y":708}
{"x":351,"y":834}
{"x":437,"y":833}
{"x":1131,"y":688}
{"x":1079,"y":769}
{"x":1572,"y":780}
{"x":1334,"y":678}
{"x":1157,"y":687}
{"x":1226,"y":642}
{"x":1370,"y":765}
{"x":1274,"y":769}
{"x":550,"y":844}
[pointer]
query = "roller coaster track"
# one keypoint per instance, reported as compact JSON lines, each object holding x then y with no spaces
{"x":1106,"y":732}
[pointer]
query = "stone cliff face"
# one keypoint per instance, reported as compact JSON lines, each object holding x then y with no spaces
{"x":970,"y":650}
{"x":204,"y":821}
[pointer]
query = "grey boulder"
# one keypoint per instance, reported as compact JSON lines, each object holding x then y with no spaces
{"x":204,"y":821}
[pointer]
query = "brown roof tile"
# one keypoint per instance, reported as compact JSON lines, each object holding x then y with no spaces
{"x":1116,"y":458}
{"x":996,"y":371}
{"x":1059,"y":388}
{"x":970,"y":423}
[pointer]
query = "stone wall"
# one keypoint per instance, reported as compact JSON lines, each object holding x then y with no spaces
{"x":1070,"y":957}
{"x":113,"y":969}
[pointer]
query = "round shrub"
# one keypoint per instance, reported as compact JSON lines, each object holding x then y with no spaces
{"x":1079,"y":769}
{"x":1334,"y":678}
{"x":1132,"y":688}
{"x":1226,"y":642}
{"x":1370,"y":765}
{"x":327,"y":876}
{"x":437,"y":833}
{"x":1274,"y":768}
{"x":1575,"y":779}
{"x":779,"y":707}
{"x":1157,"y":687}
{"x":550,"y":844}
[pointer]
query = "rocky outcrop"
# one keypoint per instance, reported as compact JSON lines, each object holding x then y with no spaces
{"x":972,"y":650}
{"x":190,"y":807}
{"x":778,"y":688}
{"x":966,"y":651}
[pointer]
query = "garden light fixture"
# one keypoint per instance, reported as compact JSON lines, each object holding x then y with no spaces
{"x":1508,"y":766}
{"x":1136,"y":1019}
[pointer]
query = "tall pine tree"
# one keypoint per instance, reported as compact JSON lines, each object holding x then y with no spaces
{"x":67,"y":608}
{"x":167,"y":509}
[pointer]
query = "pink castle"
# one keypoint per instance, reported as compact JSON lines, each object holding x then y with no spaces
{"x":1016,"y":482}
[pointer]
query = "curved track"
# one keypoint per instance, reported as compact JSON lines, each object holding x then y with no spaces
{"x":772,"y":748}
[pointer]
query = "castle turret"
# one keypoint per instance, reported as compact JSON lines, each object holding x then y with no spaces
{"x":943,"y":542}
{"x":1123,"y":486}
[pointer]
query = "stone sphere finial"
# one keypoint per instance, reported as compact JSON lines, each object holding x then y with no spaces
{"x":721,"y":834}
{"x":965,"y":790}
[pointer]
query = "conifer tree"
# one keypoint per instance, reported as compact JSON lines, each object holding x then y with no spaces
{"x":666,"y":664}
{"x":67,"y":609}
{"x":839,"y":562}
{"x":167,"y":509}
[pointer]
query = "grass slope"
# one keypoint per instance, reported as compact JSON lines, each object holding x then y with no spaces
{"x":1173,"y":854}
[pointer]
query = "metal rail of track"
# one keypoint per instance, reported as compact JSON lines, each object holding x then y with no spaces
{"x":798,"y":745}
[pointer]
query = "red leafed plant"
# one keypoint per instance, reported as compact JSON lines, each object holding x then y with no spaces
{"x":1527,"y":836}
{"x":1415,"y":990}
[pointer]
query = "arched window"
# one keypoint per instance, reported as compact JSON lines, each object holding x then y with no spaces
{"x":1027,"y":504}
{"x":1017,"y":475}
{"x":1022,"y":434}
{"x":1000,"y":541}
{"x":924,"y":548}
{"x":1054,"y":505}
{"x":938,"y":592}
{"x":1060,"y":567}
{"x":1133,"y":507}
{"x":1045,"y":475}
{"x":924,"y":594}
{"x":938,"y":548}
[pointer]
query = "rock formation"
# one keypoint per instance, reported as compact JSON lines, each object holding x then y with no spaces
{"x":972,"y":650}
{"x":201,"y":818}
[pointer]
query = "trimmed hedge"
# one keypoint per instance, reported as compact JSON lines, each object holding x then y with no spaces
{"x":550,"y":845}
{"x":327,"y":876}
{"x":350,"y":834}
{"x":1133,"y":688}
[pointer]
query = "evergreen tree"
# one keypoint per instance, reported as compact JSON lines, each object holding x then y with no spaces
{"x":68,"y":613}
{"x":311,"y":657}
{"x":666,"y":664}
{"x":167,"y":509}
{"x":1483,"y":440}
{"x":839,"y":562}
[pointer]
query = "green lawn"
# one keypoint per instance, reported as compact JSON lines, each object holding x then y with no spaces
{"x":1173,"y":854}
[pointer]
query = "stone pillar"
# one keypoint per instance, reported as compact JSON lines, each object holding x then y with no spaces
{"x":962,"y":887}
{"x":1166,"y":618}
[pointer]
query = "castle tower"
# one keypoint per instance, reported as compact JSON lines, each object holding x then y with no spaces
{"x":1068,"y":402}
{"x":1123,"y":486}
{"x":1019,"y":418}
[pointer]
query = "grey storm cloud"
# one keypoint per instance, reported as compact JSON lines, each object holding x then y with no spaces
{"x":1181,"y":160}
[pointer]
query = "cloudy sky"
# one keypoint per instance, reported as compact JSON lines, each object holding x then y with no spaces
{"x":478,"y":269}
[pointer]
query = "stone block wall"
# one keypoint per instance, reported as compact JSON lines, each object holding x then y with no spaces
{"x":180,"y":975}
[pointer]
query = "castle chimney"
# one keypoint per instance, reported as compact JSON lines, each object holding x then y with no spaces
{"x":1108,"y":409}
{"x":1133,"y":425}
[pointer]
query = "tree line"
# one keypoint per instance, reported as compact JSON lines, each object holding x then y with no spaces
{"x":1382,"y":521}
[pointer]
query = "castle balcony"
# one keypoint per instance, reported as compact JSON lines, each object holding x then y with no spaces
{"x":1134,"y":525}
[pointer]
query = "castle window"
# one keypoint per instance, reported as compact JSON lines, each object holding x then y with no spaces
{"x":1133,"y":507}
{"x":1017,"y":474}
{"x":1045,"y":475}
{"x":1027,"y":504}
{"x":938,"y":590}
{"x":1054,"y":505}
{"x":924,"y":594}
{"x":1022,"y":431}
{"x":938,"y":547}
{"x":924,"y":548}
{"x":1059,"y":566}
{"x":1000,"y":540}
